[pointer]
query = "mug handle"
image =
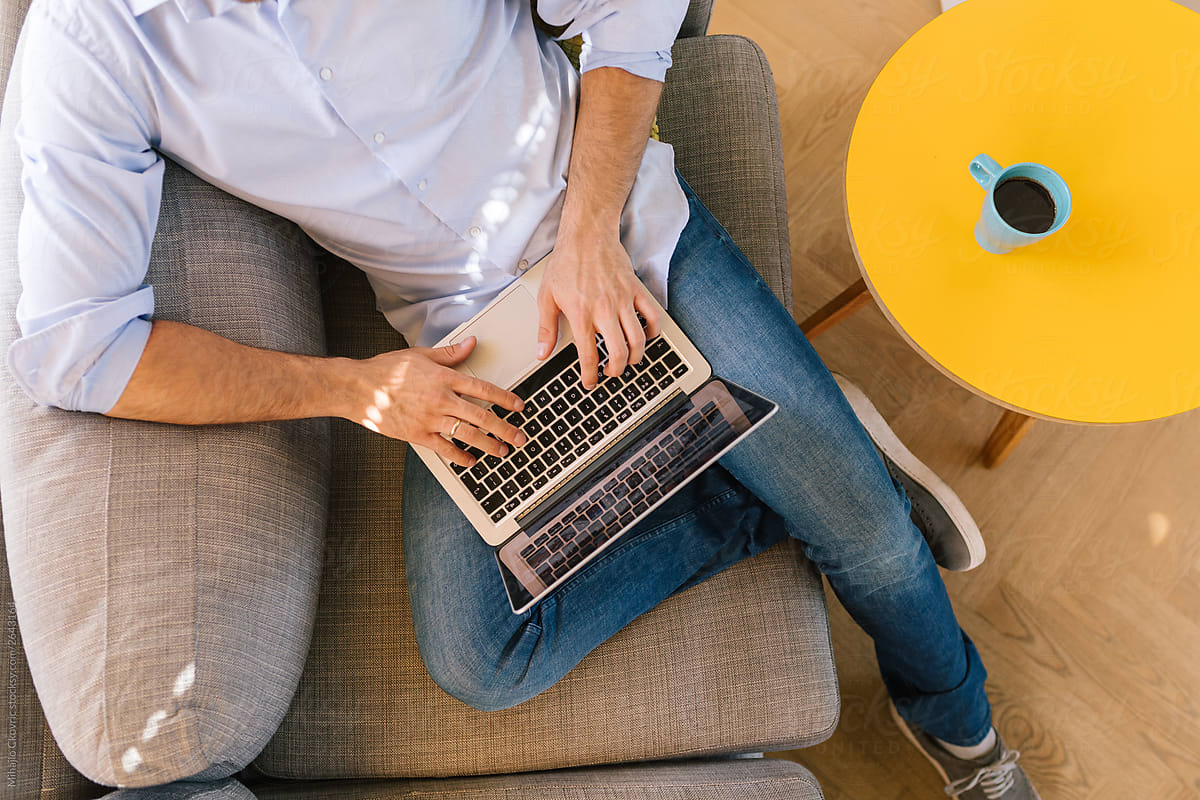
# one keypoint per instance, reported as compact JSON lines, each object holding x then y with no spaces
{"x":984,"y":169}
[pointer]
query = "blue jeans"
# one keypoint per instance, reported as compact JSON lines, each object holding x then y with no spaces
{"x":826,"y":487}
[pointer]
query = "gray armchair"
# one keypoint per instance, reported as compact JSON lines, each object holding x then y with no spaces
{"x":121,"y":538}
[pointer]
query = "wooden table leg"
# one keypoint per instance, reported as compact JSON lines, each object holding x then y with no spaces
{"x":853,"y":298}
{"x":1011,"y":428}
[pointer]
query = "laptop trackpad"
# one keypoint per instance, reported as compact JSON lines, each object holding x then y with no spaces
{"x":507,"y":339}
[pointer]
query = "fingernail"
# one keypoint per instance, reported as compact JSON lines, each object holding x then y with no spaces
{"x":543,"y":348}
{"x":520,"y":404}
{"x":521,"y":440}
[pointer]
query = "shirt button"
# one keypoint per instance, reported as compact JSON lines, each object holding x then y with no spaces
{"x":522,"y":265}
{"x":326,"y":73}
{"x":421,"y":184}
{"x":378,"y":137}
{"x":474,"y":230}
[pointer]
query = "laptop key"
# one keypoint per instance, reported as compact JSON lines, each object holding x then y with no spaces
{"x":544,"y":537}
{"x":555,"y":388}
{"x":554,"y":544}
{"x":658,"y":371}
{"x":546,"y":574}
{"x":542,"y":398}
{"x":657,"y":347}
{"x":563,"y":447}
{"x":526,"y":493}
{"x":492,"y":480}
{"x":680,"y":371}
{"x":526,"y":551}
{"x":540,"y":482}
{"x":596,"y":437}
{"x":536,"y":468}
{"x":512,"y":504}
{"x":609,"y":427}
{"x":671,"y":359}
{"x":581,"y":449}
{"x":546,"y":417}
{"x":624,"y":415}
{"x":554,"y":470}
{"x":499,"y":515}
{"x":492,"y":502}
{"x":665,"y":382}
{"x":523,"y":478}
{"x":546,"y":438}
{"x":591,"y":424}
{"x":567,"y":460}
{"x":574,"y":395}
{"x":653,"y":391}
{"x":507,"y":470}
{"x":510,"y":489}
{"x":637,"y":404}
{"x":536,"y":557}
{"x":520,"y":458}
{"x":550,"y":456}
{"x":574,"y":416}
{"x":604,"y":414}
{"x":560,"y":427}
{"x":532,"y":427}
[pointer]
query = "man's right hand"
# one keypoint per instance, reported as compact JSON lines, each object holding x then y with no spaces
{"x":415,"y":395}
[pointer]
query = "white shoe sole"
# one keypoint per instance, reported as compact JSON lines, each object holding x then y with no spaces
{"x":904,"y":729}
{"x":887,"y":441}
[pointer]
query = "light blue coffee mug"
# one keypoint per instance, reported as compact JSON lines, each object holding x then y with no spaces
{"x":991,"y":231}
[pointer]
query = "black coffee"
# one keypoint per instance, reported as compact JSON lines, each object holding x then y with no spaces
{"x":1025,"y":204}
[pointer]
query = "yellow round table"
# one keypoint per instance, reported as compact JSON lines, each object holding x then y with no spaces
{"x":1100,"y":322}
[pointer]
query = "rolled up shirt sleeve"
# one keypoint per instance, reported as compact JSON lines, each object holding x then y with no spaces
{"x":634,"y":35}
{"x":92,"y":184}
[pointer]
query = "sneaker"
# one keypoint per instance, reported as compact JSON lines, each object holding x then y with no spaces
{"x":937,"y":512}
{"x":994,"y":776}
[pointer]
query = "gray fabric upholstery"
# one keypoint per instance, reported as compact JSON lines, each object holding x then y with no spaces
{"x":165,"y":576}
{"x":227,"y":789}
{"x":696,"y":22}
{"x":719,"y":112}
{"x":729,"y":779}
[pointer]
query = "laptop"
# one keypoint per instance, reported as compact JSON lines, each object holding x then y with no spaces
{"x":596,"y":462}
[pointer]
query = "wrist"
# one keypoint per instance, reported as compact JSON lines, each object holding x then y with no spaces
{"x":342,"y":388}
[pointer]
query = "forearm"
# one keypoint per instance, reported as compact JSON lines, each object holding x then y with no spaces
{"x":190,"y":376}
{"x":616,"y":110}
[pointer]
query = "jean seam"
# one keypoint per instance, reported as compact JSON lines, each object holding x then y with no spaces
{"x":666,"y":527}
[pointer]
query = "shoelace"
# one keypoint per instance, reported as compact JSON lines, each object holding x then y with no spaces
{"x":995,"y":779}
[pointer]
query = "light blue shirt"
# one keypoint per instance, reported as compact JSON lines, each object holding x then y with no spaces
{"x":425,"y":142}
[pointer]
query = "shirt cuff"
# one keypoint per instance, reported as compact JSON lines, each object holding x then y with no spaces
{"x":652,"y":65}
{"x":84,"y":361}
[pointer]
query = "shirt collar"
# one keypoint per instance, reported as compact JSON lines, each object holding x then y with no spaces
{"x":192,"y":10}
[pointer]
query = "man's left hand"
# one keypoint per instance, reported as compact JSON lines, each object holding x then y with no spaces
{"x":590,"y":279}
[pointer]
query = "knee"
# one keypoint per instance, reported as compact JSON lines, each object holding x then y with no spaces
{"x":878,"y":553}
{"x":486,"y":677}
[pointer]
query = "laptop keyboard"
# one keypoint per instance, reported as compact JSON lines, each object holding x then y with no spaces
{"x":564,"y":423}
{"x":606,"y":510}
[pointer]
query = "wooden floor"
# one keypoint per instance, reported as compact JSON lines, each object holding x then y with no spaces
{"x":1086,"y":610}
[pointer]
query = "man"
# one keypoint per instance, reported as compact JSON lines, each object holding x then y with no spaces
{"x":444,"y":186}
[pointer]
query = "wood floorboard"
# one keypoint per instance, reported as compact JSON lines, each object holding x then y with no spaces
{"x":1087,"y":610}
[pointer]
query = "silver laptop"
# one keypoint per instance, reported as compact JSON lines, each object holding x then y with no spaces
{"x":596,"y":462}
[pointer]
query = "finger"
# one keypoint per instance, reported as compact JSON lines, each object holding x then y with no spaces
{"x":614,"y":342}
{"x":547,"y":323}
{"x":469,"y":386}
{"x":448,"y":451}
{"x":589,"y":358}
{"x":473,"y":436}
{"x":489,"y":423}
{"x":452,"y":354}
{"x":649,"y":310}
{"x":633,"y":334}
